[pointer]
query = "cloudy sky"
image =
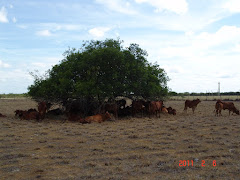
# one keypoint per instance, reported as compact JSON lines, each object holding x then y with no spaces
{"x":196,"y":42}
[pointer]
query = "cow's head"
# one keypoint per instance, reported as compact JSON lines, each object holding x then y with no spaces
{"x":107,"y":115}
{"x":237,"y":112}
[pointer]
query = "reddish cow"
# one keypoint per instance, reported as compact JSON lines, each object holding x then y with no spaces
{"x":98,"y":118}
{"x":191,"y":104}
{"x":228,"y":105}
{"x":153,"y":109}
{"x":42,"y":108}
{"x":164,"y":109}
{"x":218,"y":108}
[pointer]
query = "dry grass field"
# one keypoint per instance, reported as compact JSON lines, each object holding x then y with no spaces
{"x":129,"y":148}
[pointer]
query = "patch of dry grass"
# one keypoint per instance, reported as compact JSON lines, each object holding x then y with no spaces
{"x":129,"y":148}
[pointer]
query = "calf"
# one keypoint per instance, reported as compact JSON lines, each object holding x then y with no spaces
{"x":171,"y":111}
{"x":164,"y":109}
{"x":76,"y":118}
{"x":29,"y":115}
{"x":98,"y":118}
{"x":191,"y":104}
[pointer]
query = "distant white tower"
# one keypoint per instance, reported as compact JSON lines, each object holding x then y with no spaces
{"x":218,"y":88}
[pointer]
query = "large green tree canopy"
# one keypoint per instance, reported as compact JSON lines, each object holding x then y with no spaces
{"x":102,"y":69}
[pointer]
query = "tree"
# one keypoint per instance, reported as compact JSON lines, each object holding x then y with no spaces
{"x":101,"y":69}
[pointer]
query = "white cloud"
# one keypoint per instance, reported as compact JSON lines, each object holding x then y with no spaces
{"x":98,"y":32}
{"x":176,"y":6}
{"x":226,"y":34}
{"x":3,"y":15}
{"x":44,"y":33}
{"x":121,"y":6}
{"x":4,"y":65}
{"x":173,"y":69}
{"x":232,"y":5}
{"x":195,"y":46}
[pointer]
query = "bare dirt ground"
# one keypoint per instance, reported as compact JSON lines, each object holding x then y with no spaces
{"x":129,"y":148}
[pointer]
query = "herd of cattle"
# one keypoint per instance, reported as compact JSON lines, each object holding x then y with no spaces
{"x":102,"y":112}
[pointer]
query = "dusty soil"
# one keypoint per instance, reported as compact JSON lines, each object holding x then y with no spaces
{"x":129,"y":148}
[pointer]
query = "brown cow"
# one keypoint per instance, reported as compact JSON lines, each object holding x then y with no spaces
{"x":164,"y":109}
{"x":155,"y":107}
{"x":191,"y":104}
{"x":76,"y":118}
{"x":29,"y":115}
{"x":159,"y":105}
{"x":230,"y":106}
{"x":218,"y":108}
{"x":42,"y":108}
{"x":137,"y":106}
{"x":98,"y":118}
{"x":171,"y":111}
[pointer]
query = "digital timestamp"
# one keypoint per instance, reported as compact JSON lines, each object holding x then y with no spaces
{"x":190,"y":163}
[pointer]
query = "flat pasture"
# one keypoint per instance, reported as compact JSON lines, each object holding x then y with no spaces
{"x":185,"y":146}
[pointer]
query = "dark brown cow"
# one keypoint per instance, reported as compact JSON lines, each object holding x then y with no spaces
{"x":29,"y":115}
{"x":20,"y":112}
{"x":98,"y":118}
{"x":137,"y":106}
{"x":171,"y":111}
{"x":228,"y":105}
{"x":42,"y":108}
{"x":56,"y":112}
{"x":121,"y":103}
{"x":75,"y":118}
{"x":191,"y":104}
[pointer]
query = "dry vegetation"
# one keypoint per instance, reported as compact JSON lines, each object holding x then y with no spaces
{"x":129,"y":148}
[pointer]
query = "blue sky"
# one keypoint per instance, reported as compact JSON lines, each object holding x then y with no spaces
{"x":196,"y":42}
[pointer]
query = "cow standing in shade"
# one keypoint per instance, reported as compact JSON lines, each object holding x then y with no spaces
{"x":42,"y":108}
